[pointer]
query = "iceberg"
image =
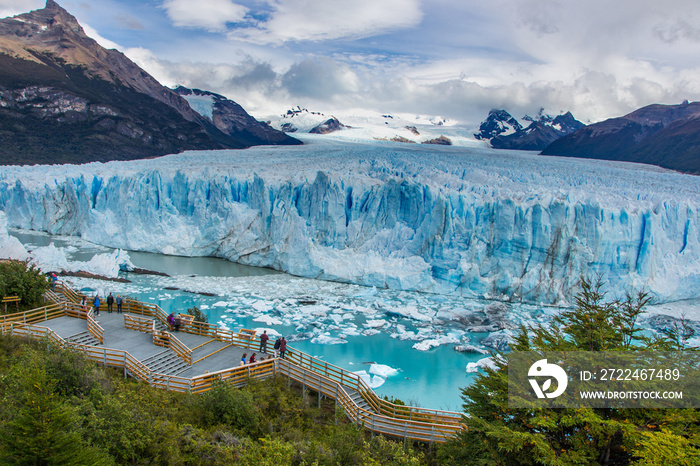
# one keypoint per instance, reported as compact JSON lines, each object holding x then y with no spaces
{"x":471,"y":222}
{"x":10,"y":247}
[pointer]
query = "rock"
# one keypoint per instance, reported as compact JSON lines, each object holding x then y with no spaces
{"x":328,"y":126}
{"x":441,"y":141}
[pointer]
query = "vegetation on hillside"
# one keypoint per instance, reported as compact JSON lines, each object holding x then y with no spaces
{"x":59,"y":408}
{"x":25,"y":281}
{"x":500,"y":435}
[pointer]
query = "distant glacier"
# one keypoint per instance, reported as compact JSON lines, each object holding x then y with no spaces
{"x":469,"y":221}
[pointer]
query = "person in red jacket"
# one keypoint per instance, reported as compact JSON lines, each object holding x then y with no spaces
{"x":283,"y":347}
{"x":263,"y":342}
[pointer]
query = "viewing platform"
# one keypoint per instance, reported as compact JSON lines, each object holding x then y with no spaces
{"x":141,"y":343}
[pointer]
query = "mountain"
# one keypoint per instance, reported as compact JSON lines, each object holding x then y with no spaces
{"x":505,"y":132}
{"x":663,"y":135}
{"x":66,"y":99}
{"x":498,"y":122}
{"x":231,"y":119}
{"x":330,"y":125}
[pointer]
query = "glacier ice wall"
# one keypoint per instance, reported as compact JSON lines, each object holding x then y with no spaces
{"x":475,"y":222}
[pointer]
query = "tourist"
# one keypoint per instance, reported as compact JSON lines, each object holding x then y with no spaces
{"x":177,"y":322}
{"x":119,"y":304}
{"x":54,"y":278}
{"x":110,"y":303}
{"x":283,"y":347}
{"x":83,"y":303}
{"x":252,"y":358}
{"x":171,"y":320}
{"x":263,"y":342}
{"x":96,"y":303}
{"x":277,"y":347}
{"x":243,"y":359}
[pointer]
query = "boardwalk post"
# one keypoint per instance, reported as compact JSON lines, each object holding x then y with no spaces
{"x":124,"y":364}
{"x":335,"y":411}
{"x":405,"y":434}
{"x":372,"y":425}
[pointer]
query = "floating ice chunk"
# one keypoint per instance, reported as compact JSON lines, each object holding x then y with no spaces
{"x":325,"y":339}
{"x":483,"y":363}
{"x":50,"y":258}
{"x":375,"y":323}
{"x":471,"y":349}
{"x":220,"y":304}
{"x":261,"y":306}
{"x":412,"y":312}
{"x":370,"y":332}
{"x":382,"y":370}
{"x":425,"y":345}
{"x":499,"y":340}
{"x":10,"y":247}
{"x":107,"y":264}
{"x":270,"y":331}
{"x":269,"y":320}
{"x":372,"y":381}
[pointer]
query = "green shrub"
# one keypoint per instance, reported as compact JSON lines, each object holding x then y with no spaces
{"x":20,"y":279}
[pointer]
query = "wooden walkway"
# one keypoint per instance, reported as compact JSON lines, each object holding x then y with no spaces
{"x":192,"y":359}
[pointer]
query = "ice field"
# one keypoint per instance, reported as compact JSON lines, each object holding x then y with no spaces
{"x":472,"y":222}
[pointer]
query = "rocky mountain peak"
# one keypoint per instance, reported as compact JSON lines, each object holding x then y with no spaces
{"x":497,"y":123}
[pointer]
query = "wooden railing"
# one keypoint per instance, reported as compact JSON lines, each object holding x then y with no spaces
{"x":139,"y":324}
{"x":416,"y":429}
{"x":181,"y":349}
{"x":70,"y":294}
{"x":94,"y":328}
{"x":385,"y":417}
{"x":51,"y":311}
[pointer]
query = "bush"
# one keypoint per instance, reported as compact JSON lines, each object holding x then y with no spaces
{"x":497,"y":434}
{"x":20,"y":279}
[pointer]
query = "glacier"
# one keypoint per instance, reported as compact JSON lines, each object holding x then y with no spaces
{"x":450,"y":220}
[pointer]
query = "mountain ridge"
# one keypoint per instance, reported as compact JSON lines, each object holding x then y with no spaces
{"x":664,"y":135}
{"x":503,"y":131}
{"x":66,"y":99}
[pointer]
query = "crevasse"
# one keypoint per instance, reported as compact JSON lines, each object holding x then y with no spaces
{"x":512,"y":226}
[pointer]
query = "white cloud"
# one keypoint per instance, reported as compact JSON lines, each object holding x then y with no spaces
{"x":318,"y":20}
{"x":212,"y":15}
{"x":106,"y":43}
{"x":15,"y":7}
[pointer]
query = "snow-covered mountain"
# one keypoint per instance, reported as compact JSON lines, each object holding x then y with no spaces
{"x":363,"y":125}
{"x":470,"y":221}
{"x":505,"y":132}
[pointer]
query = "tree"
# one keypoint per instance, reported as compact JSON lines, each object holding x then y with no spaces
{"x":42,"y":429}
{"x":17,"y":278}
{"x":499,"y":435}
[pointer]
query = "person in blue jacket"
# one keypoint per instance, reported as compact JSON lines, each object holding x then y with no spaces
{"x":96,"y":303}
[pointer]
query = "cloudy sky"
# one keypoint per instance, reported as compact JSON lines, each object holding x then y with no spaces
{"x":451,"y":58}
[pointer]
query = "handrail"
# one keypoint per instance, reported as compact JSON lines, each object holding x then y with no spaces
{"x":138,"y":323}
{"x":48,"y":312}
{"x":180,"y":349}
{"x":212,"y":354}
{"x":418,"y":429}
{"x":94,"y":328}
{"x":69,"y":293}
{"x":383,"y":415}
